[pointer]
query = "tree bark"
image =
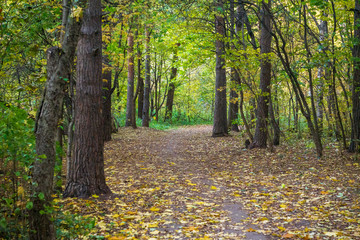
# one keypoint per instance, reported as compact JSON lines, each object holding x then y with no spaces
{"x":262,"y":111}
{"x":130,"y":106}
{"x":106,"y":78}
{"x":140,"y":87}
{"x":59,"y":68}
{"x":146,"y":106}
{"x":220,"y":111}
{"x":87,"y":175}
{"x":171,"y":89}
{"x":234,"y":98}
{"x":355,"y":130}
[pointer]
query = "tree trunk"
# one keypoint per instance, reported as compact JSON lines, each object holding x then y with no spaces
{"x":59,"y":68}
{"x":220,"y":111}
{"x":140,"y":87}
{"x":234,"y":98}
{"x":355,"y":131}
{"x":171,"y":90}
{"x":146,"y":105}
{"x":322,"y":77}
{"x":234,"y":103}
{"x":130,"y":106}
{"x":262,"y":111}
{"x":106,"y":78}
{"x":280,"y":45}
{"x":87,"y":175}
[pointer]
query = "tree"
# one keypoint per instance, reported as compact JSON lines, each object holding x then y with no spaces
{"x":234,"y":83}
{"x":146,"y":106}
{"x":220,"y":119}
{"x":130,"y":104}
{"x":171,"y":90}
{"x":87,"y":175}
{"x":262,"y":111}
{"x":59,"y":63}
{"x":355,"y":130}
{"x":106,"y":78}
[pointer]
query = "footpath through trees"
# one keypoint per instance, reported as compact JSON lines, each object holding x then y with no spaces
{"x":185,"y":184}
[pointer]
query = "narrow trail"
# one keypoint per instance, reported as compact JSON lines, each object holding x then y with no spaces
{"x":169,"y":185}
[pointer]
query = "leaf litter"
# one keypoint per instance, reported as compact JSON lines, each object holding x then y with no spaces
{"x":184,"y":184}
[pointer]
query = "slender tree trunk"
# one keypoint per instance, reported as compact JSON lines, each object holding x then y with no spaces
{"x":87,"y":175}
{"x":262,"y":113}
{"x":355,"y":131}
{"x":130,"y":106}
{"x":309,"y":69}
{"x":140,"y":86}
{"x":220,"y":111}
{"x":241,"y":104}
{"x":280,"y":44}
{"x":234,"y":97}
{"x":146,"y":106}
{"x":171,"y":89}
{"x":59,"y":68}
{"x":323,"y":30}
{"x":106,"y":78}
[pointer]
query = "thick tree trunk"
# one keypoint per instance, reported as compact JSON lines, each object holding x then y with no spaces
{"x":59,"y":68}
{"x":106,"y":78}
{"x":87,"y":175}
{"x":220,"y":111}
{"x":146,"y":105}
{"x":130,"y":106}
{"x":355,"y":131}
{"x":262,"y":111}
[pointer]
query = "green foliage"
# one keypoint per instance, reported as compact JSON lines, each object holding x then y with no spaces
{"x":17,"y":153}
{"x":71,"y":226}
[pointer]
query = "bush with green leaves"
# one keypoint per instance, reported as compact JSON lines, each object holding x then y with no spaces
{"x":17,"y":153}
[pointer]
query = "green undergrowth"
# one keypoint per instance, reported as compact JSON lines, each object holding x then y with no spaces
{"x":177,"y":121}
{"x":17,"y":155}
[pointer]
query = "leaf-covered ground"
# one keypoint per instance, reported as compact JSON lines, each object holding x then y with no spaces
{"x":184,"y":184}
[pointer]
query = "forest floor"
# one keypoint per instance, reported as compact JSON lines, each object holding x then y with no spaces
{"x":184,"y":184}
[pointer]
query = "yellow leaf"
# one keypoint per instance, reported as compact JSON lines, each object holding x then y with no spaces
{"x":213,"y":188}
{"x":154,"y":209}
{"x":153,"y":225}
{"x":283,"y":205}
{"x":95,"y":196}
{"x":282,"y":229}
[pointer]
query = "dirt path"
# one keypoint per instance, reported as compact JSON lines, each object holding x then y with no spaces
{"x":167,"y":181}
{"x":184,"y":184}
